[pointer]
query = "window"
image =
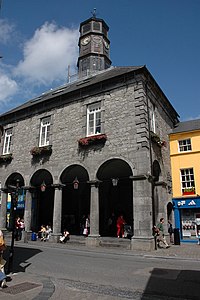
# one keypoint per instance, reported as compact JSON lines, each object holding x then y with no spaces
{"x":185,"y":145}
{"x":152,"y":118}
{"x":7,"y":141}
{"x":44,"y":132}
{"x":86,"y":28}
{"x":187,"y":179}
{"x":94,"y":119}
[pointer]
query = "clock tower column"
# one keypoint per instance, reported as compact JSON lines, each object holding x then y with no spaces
{"x":94,"y":47}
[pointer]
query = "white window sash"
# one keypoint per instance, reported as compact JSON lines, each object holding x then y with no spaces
{"x":93,"y":120}
{"x":187,"y":178}
{"x":185,"y":145}
{"x":44,"y":132}
{"x":7,"y":141}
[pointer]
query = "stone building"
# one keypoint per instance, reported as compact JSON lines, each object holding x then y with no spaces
{"x":94,"y":146}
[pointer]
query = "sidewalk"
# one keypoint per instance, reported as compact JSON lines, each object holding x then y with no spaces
{"x":28,"y":286}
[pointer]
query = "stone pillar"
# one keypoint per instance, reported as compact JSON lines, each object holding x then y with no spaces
{"x":142,"y":210}
{"x":57,"y":213}
{"x":93,"y":238}
{"x":4,"y":196}
{"x":27,"y":210}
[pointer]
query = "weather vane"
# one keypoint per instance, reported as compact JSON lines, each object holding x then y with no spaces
{"x":94,"y":13}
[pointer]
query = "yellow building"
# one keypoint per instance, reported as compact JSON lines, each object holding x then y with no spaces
{"x":185,"y":166}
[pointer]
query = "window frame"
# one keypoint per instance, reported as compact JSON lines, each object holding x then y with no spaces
{"x":187,"y":145}
{"x":152,"y":118}
{"x":45,"y":141}
{"x":189,"y":183}
{"x":94,"y":109}
{"x":7,"y":141}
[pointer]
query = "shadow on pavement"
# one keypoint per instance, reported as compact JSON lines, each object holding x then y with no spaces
{"x":173,"y":283}
{"x":21,"y":255}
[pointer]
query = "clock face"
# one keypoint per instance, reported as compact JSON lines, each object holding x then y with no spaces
{"x":85,"y":40}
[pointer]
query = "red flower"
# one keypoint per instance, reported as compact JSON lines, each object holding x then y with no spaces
{"x":93,"y":139}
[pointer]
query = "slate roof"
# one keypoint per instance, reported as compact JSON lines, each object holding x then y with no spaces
{"x":186,"y":126}
{"x":80,"y":83}
{"x":85,"y":82}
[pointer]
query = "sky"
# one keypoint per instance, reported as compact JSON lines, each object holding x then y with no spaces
{"x":39,"y":40}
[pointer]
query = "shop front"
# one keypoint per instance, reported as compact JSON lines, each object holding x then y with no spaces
{"x":187,"y":218}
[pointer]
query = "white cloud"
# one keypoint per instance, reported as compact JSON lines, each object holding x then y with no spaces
{"x":8,"y":87}
{"x":6,"y":31}
{"x":48,"y":54}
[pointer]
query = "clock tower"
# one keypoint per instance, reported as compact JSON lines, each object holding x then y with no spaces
{"x":94,"y":47}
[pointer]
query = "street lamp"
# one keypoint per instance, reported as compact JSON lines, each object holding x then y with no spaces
{"x":43,"y":187}
{"x":13,"y":208}
{"x":76,"y":183}
{"x":115,"y":181}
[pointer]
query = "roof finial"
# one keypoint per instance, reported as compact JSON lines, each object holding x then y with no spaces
{"x":94,"y":14}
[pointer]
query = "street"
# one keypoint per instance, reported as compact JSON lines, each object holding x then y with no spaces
{"x":72,"y":272}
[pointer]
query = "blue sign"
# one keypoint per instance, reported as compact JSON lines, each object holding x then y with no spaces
{"x":20,"y":202}
{"x":181,"y":203}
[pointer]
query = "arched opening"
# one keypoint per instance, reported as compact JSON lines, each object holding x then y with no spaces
{"x":42,"y":199}
{"x":115,"y":195}
{"x":75,"y":198}
{"x":14,"y":184}
{"x":156,"y":170}
{"x":169,"y":211}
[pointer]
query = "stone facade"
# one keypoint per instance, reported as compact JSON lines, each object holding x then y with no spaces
{"x":126,"y":101}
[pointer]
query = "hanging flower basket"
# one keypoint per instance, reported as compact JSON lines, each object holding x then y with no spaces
{"x":36,"y":151}
{"x":156,"y":139}
{"x":189,"y":191}
{"x":92,"y":140}
{"x":6,"y":157}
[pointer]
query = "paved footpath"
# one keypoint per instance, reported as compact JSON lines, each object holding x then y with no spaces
{"x":31,"y":287}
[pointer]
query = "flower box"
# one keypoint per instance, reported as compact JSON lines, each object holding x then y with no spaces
{"x":157,"y":140}
{"x":187,"y":192}
{"x":36,"y":151}
{"x":6,"y":157}
{"x":92,"y":140}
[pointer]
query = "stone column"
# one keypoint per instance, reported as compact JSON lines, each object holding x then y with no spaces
{"x":142,"y":210}
{"x":27,"y":215}
{"x":4,"y":196}
{"x":57,"y":212}
{"x":93,"y":238}
{"x":27,"y":210}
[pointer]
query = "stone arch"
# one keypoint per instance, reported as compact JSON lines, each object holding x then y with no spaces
{"x":170,"y":211}
{"x":75,"y":201}
{"x":15,"y":180}
{"x":114,"y":197}
{"x":42,"y":201}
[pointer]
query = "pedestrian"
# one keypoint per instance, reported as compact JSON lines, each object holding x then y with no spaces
{"x":112,"y":224}
{"x":2,"y":261}
{"x":65,"y":237}
{"x":161,"y":236}
{"x":120,"y":226}
{"x":17,"y":229}
{"x":82,"y":224}
{"x":48,"y":232}
{"x":170,"y":231}
{"x":86,"y":230}
{"x":42,"y":233}
{"x":21,"y":228}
